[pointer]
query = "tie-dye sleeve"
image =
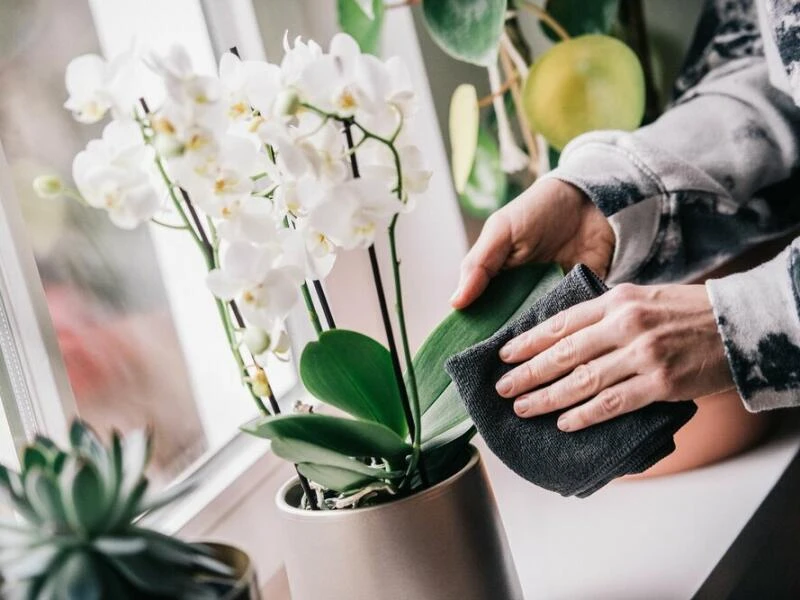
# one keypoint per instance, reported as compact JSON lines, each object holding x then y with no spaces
{"x":697,"y":186}
{"x":711,"y":177}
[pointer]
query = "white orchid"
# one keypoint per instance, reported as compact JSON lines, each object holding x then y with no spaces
{"x":198,"y":95}
{"x":379,"y":162}
{"x":115,"y":173}
{"x":97,"y":86}
{"x":265,"y":290}
{"x":309,"y":250}
{"x":352,"y":213}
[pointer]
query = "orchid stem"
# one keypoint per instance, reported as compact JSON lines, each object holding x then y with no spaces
{"x":312,"y":310}
{"x":387,"y":321}
{"x":323,"y":300}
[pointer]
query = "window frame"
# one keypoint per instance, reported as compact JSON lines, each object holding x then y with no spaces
{"x":236,"y":482}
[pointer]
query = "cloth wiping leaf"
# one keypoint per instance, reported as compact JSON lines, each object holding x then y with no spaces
{"x":573,"y":464}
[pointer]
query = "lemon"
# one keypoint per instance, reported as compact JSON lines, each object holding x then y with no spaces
{"x":583,"y":84}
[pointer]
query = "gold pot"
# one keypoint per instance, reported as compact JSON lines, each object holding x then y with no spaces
{"x":246,"y":584}
{"x":445,"y":543}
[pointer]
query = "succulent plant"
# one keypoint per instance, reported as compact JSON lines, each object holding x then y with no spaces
{"x":77,"y":536}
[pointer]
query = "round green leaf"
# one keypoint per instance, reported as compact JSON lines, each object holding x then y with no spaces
{"x":468,"y":30}
{"x":464,"y":127}
{"x":579,"y":17}
{"x":353,"y":438}
{"x":487,"y":185}
{"x":364,"y":25}
{"x":354,"y":373}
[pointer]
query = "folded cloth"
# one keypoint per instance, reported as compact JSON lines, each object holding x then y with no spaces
{"x":577,"y":463}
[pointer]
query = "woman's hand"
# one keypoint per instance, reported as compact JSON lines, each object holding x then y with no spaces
{"x":632,"y":346}
{"x":551,"y":221}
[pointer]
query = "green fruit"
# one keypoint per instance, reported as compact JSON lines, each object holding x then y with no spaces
{"x":584,"y":84}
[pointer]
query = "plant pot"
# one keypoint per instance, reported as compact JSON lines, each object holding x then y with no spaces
{"x":246,"y":585}
{"x":445,"y":543}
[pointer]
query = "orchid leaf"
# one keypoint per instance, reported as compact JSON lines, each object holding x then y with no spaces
{"x":297,"y":452}
{"x":506,"y":294}
{"x":510,"y":293}
{"x":347,"y":436}
{"x":334,"y":478}
{"x":354,"y":373}
{"x":579,"y":17}
{"x":468,"y":30}
{"x":362,"y":19}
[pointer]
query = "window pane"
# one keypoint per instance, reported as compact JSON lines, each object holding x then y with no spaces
{"x":138,"y":331}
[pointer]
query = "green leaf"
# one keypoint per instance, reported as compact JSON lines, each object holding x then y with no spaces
{"x":487,"y":186}
{"x":353,"y":438}
{"x":580,"y":17}
{"x":445,"y":413}
{"x":468,"y":30}
{"x":85,"y":502}
{"x":33,"y":458}
{"x":334,"y":478}
{"x":447,"y":452}
{"x":44,"y":497}
{"x":363,"y":19}
{"x":298,"y":451}
{"x":464,"y":126}
{"x":354,"y":373}
{"x":509,"y":292}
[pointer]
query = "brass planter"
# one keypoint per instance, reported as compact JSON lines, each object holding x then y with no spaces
{"x":445,"y":543}
{"x":246,"y":586}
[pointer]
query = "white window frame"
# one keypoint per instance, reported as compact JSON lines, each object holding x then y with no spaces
{"x":234,"y":501}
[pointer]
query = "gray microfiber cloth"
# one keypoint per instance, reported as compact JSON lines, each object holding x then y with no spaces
{"x":572,"y":464}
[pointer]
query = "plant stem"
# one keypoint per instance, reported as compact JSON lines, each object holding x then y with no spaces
{"x":323,"y":300}
{"x":387,"y":321}
{"x":522,"y":119}
{"x":312,"y":311}
{"x":547,"y":18}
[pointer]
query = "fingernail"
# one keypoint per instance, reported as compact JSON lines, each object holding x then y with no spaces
{"x":564,"y":424}
{"x":505,"y":351}
{"x":504,"y":385}
{"x":455,"y":295}
{"x":521,"y":407}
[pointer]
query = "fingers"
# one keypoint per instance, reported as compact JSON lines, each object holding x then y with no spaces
{"x":483,"y":261}
{"x":584,"y":382}
{"x":614,"y":401}
{"x":551,"y":331}
{"x":559,"y":359}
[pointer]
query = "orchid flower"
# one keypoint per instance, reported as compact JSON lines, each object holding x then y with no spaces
{"x":115,"y":174}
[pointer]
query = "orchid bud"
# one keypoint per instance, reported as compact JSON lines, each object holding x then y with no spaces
{"x":260,"y":384}
{"x":256,"y":339}
{"x":168,"y":146}
{"x":287,"y":103}
{"x":48,"y":186}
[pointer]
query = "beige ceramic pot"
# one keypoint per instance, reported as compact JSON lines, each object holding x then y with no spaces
{"x":446,"y":543}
